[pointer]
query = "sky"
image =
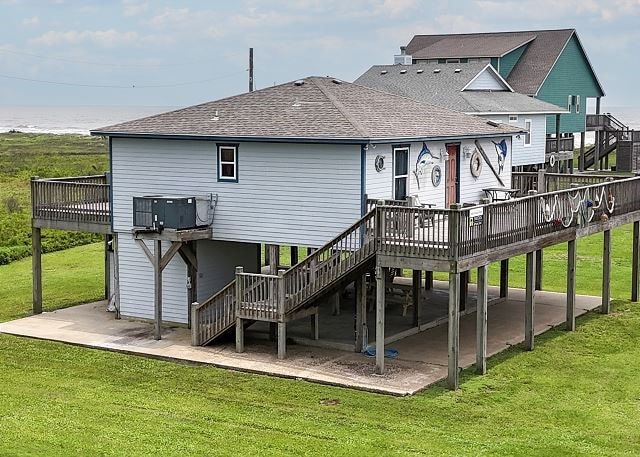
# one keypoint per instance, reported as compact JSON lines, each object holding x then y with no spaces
{"x":163,"y":53}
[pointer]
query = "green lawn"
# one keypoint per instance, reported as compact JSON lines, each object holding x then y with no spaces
{"x":576,"y":394}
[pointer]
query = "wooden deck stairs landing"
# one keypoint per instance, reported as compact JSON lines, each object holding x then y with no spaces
{"x":283,"y":297}
{"x":613,"y":135}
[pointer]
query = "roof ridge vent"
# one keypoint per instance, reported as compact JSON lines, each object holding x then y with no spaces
{"x":336,"y":81}
{"x":420,"y":71}
{"x":436,"y":70}
{"x":383,"y":72}
{"x":299,"y":82}
{"x":403,"y":71}
{"x":457,"y":70}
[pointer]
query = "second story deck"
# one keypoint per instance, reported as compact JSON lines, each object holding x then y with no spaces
{"x":79,"y":203}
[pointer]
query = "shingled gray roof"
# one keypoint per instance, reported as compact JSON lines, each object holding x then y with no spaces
{"x":444,"y":88}
{"x":543,"y":49}
{"x":314,"y":109}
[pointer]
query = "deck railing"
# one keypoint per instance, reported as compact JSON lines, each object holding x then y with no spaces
{"x":551,"y":182}
{"x":213,"y":316}
{"x":566,"y":145}
{"x":83,"y":199}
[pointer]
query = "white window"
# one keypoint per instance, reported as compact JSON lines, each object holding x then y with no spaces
{"x":513,"y":118}
{"x":227,"y":162}
{"x":400,"y":172}
{"x":527,"y":135}
{"x":453,"y":60}
{"x":577,"y":104}
{"x":569,"y":102}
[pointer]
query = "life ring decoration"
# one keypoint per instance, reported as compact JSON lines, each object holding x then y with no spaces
{"x":436,"y":175}
{"x":552,"y":160}
{"x":379,"y":163}
{"x":476,"y":164}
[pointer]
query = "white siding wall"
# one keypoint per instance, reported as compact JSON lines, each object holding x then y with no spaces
{"x":296,"y":194}
{"x":217,"y":261}
{"x":137,"y":283}
{"x":380,"y":184}
{"x":486,"y":81}
{"x":526,"y":155}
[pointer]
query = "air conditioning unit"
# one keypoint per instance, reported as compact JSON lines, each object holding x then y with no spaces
{"x":402,"y":59}
{"x":160,"y":212}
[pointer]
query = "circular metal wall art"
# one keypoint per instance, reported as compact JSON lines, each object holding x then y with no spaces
{"x":552,"y":160}
{"x":476,"y":164}
{"x":436,"y":175}
{"x":379,"y":163}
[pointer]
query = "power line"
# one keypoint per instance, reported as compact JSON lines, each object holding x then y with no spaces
{"x":119,"y":86}
{"x":110,"y":64}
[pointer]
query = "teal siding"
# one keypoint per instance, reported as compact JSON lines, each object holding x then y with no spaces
{"x":509,"y":61}
{"x":571,"y":75}
{"x":495,"y":62}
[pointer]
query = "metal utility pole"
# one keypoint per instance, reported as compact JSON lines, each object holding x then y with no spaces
{"x":250,"y":69}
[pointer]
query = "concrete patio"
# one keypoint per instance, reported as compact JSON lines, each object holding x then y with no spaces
{"x":422,"y":358}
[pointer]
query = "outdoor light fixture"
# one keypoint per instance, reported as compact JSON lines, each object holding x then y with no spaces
{"x":444,"y":154}
{"x":467,"y":152}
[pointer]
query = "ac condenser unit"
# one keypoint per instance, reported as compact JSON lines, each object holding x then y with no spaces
{"x":160,"y":212}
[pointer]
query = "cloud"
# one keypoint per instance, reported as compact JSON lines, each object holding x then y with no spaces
{"x":550,"y":9}
{"x":106,"y":38}
{"x":29,"y":21}
{"x":395,"y":8}
{"x":171,"y":16}
{"x":134,"y":7}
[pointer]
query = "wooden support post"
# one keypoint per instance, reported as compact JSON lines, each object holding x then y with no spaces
{"x":539,"y":260}
{"x":381,"y":274}
{"x":464,"y":289}
{"x":294,"y":255}
{"x":571,"y":285}
{"x":428,"y":280}
{"x":335,"y":304}
{"x":541,"y":181}
{"x":274,"y":258}
{"x":581,"y":158}
{"x":157,"y":271}
{"x":361,"y":313}
{"x":239,"y":323}
{"x":282,"y":325}
{"x":195,"y":337}
{"x":635,"y":262}
{"x":504,"y":278}
{"x":267,"y":261}
{"x":530,"y":301}
{"x":107,"y":268}
{"x":558,"y":137}
{"x":454,"y":330}
{"x":596,"y":157}
{"x":36,"y":266}
{"x":481,"y":320}
{"x":315,"y":326}
{"x":606,"y":273}
{"x":416,"y":292}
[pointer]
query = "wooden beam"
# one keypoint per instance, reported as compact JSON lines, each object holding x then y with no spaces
{"x":581,"y":158}
{"x":481,"y":320}
{"x":635,"y":262}
{"x":36,"y":267}
{"x":504,"y":278}
{"x":530,"y":301}
{"x":381,"y":274}
{"x":539,"y":260}
{"x":157,"y":270}
{"x":107,"y":268}
{"x":416,"y":296}
{"x":606,"y":272}
{"x":571,"y":285}
{"x":454,"y":331}
{"x":188,"y":256}
{"x":166,"y":258}
{"x":146,"y":250}
{"x":361,"y":313}
{"x":274,"y":258}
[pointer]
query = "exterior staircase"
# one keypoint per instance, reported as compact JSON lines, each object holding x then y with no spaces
{"x":613,"y":132}
{"x":277,"y":298}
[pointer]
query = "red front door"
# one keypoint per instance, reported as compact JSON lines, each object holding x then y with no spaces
{"x":451,"y":181}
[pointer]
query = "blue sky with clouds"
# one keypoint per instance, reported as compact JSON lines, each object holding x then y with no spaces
{"x":144,"y":52}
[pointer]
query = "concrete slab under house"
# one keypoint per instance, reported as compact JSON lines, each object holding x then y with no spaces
{"x":360,"y":184}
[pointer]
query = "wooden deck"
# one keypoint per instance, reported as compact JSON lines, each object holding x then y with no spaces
{"x":76,"y":203}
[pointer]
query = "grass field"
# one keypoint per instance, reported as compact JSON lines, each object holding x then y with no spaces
{"x":576,"y":394}
{"x":26,"y":155}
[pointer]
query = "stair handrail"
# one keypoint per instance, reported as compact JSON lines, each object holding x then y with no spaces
{"x":203,"y":328}
{"x":617,"y":121}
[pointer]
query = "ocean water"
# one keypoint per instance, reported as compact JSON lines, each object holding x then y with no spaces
{"x":70,"y":119}
{"x":81,"y":119}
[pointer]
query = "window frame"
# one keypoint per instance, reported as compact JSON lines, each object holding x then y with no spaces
{"x":395,"y":149}
{"x":577,"y":104}
{"x":569,"y":102}
{"x":514,"y":116}
{"x":234,"y":147}
{"x":528,"y":134}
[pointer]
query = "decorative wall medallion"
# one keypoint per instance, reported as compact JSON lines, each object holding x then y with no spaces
{"x":476,"y":164}
{"x":379,"y":163}
{"x":436,"y":175}
{"x":552,"y":160}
